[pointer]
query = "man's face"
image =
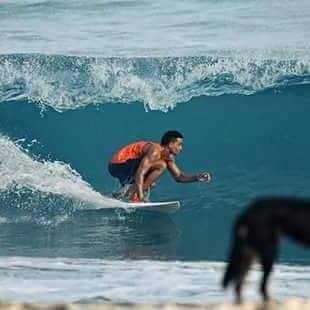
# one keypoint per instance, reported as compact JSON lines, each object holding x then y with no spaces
{"x":176,"y":146}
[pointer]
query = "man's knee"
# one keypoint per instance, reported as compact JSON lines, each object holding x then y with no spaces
{"x":162,"y":165}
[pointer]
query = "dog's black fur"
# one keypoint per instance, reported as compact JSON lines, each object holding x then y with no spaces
{"x":256,"y":237}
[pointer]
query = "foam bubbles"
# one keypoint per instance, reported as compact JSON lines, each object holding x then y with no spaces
{"x":42,"y":187}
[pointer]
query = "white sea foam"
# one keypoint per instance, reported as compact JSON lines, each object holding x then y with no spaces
{"x":89,"y":280}
{"x":67,"y":83}
{"x":148,"y":28}
{"x":20,"y":172}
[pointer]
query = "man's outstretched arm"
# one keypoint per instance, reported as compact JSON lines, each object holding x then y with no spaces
{"x":179,"y":176}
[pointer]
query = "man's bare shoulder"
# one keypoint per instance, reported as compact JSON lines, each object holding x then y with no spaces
{"x":151,"y":147}
{"x":152,"y":150}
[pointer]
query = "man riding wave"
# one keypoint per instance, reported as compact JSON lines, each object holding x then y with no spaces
{"x":140,"y":164}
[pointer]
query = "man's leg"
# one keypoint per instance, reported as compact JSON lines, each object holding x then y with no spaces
{"x":156,"y":170}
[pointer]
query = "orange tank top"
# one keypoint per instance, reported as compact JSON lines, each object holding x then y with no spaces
{"x":131,"y":151}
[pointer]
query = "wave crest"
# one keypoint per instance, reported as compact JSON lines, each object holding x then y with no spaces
{"x":66,"y":83}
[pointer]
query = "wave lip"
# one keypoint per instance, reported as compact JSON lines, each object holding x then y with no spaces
{"x":67,"y":83}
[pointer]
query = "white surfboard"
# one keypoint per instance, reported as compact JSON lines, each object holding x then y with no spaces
{"x":111,"y":203}
{"x":163,"y":207}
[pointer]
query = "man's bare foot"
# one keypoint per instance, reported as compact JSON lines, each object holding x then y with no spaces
{"x":131,"y":191}
{"x":135,"y":198}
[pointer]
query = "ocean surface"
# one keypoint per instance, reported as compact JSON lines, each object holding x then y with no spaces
{"x":78,"y":80}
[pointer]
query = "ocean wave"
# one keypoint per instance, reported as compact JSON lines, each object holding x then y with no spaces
{"x":67,"y":83}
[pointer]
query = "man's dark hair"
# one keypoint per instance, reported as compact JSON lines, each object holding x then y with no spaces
{"x":170,"y":136}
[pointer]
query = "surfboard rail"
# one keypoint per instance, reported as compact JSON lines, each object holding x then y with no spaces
{"x":162,"y":206}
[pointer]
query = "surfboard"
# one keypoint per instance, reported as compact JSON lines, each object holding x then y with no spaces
{"x":163,"y":207}
{"x":112,"y":203}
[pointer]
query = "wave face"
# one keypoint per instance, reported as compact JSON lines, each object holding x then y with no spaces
{"x":53,"y":167}
{"x":68,"y":83}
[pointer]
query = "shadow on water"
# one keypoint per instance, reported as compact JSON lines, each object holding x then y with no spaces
{"x":107,"y":234}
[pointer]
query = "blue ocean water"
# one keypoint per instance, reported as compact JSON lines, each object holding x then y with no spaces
{"x":78,"y":80}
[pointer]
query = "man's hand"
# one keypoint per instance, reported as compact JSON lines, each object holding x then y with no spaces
{"x":204,"y":177}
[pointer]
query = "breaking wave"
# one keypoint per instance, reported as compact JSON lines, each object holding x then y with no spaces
{"x":67,"y":83}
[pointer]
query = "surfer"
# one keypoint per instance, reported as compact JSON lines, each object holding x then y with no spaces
{"x":141,"y":163}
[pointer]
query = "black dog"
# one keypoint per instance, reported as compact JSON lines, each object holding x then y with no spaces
{"x":256,"y":237}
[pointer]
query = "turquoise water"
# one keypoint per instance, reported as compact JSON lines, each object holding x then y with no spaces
{"x":238,"y":90}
